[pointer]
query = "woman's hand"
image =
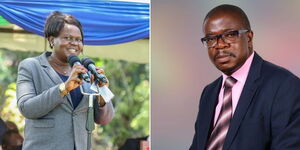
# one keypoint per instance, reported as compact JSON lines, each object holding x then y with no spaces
{"x":101,"y":101}
{"x":100,"y":71}
{"x":74,"y":80}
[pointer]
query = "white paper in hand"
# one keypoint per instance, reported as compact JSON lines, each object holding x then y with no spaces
{"x":104,"y":91}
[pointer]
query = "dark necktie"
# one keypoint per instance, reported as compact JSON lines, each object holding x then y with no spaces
{"x":218,"y":135}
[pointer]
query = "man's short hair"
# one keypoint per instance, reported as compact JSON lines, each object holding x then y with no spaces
{"x":226,"y":8}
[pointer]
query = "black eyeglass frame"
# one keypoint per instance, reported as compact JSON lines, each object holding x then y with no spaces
{"x":218,"y":36}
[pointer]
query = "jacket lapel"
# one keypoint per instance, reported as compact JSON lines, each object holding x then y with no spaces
{"x":246,"y":97}
{"x":207,"y":106}
{"x":53,"y":76}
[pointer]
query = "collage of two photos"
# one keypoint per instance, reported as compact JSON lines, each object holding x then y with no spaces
{"x":149,"y":75}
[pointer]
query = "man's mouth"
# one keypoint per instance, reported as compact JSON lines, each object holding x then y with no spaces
{"x":223,"y":56}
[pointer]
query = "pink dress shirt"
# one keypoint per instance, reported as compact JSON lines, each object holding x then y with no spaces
{"x":240,"y":75}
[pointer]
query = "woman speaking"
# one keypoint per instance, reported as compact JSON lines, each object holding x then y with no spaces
{"x":48,"y":91}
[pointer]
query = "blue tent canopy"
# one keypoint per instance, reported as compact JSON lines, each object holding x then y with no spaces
{"x":104,"y":22}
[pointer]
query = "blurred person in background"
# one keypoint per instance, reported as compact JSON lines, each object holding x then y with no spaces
{"x":11,"y":126}
{"x":3,"y":129}
{"x":12,"y":140}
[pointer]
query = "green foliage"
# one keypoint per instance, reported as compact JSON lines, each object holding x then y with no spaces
{"x":9,"y":61}
{"x":10,"y":110}
{"x":128,"y":81}
{"x":130,"y":84}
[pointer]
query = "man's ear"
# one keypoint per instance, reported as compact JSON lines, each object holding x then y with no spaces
{"x":250,"y":35}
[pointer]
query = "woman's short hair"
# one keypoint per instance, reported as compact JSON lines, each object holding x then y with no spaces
{"x":56,"y":21}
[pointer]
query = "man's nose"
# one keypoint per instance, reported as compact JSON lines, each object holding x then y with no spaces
{"x":221,"y":43}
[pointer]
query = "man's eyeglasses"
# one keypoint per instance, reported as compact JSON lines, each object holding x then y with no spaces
{"x":228,"y":37}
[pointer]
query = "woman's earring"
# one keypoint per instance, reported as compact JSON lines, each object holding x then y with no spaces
{"x":51,"y":45}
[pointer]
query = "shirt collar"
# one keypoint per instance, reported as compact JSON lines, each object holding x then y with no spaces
{"x":241,"y":74}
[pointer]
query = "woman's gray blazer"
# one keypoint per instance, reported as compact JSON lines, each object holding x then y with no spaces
{"x":51,"y":121}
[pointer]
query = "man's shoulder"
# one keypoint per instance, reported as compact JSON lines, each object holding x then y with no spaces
{"x":214,"y":84}
{"x":274,"y":71}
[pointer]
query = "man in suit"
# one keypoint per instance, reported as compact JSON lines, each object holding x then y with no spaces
{"x":254,"y":105}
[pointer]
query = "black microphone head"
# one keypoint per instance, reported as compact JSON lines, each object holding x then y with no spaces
{"x":72,"y":59}
{"x":98,"y":77}
{"x":86,"y":62}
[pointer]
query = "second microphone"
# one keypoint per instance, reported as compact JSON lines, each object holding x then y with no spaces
{"x":90,"y":65}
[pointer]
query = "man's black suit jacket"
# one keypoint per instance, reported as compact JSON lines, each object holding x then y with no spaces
{"x":267,"y":115}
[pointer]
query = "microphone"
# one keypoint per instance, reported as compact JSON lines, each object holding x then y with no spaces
{"x":90,"y":65}
{"x":74,"y":60}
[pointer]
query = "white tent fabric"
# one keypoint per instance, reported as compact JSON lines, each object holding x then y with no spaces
{"x":136,"y":51}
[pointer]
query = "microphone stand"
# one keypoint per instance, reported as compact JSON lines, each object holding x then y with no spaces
{"x":90,"y":125}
